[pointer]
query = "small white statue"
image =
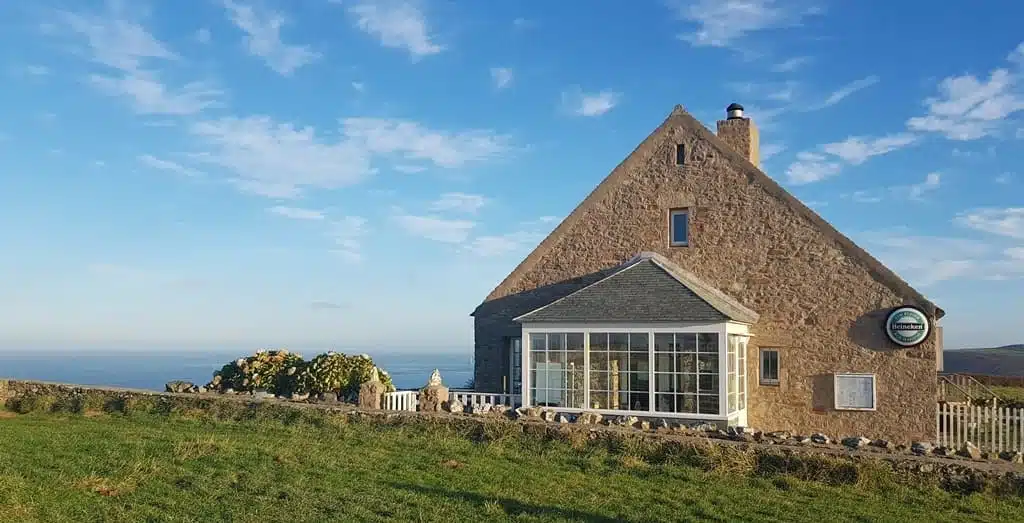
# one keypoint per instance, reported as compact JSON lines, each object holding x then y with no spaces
{"x":435,"y":378}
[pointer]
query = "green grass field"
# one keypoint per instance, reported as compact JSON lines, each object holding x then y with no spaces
{"x":59,"y":467}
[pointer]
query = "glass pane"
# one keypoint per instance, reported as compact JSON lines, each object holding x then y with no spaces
{"x":708,"y":404}
{"x":618,"y":361}
{"x":538,"y":357}
{"x":686,"y":403}
{"x":599,"y":400}
{"x":598,"y":381}
{"x":598,"y":341}
{"x":708,"y":363}
{"x":537,"y":342}
{"x":686,"y":342}
{"x":663,"y":362}
{"x":599,"y":361}
{"x":575,"y":358}
{"x":556,"y":341}
{"x":742,"y":403}
{"x":732,"y":403}
{"x":618,"y":341}
{"x":639,"y":341}
{"x":686,"y":363}
{"x":639,"y":381}
{"x":707,"y":383}
{"x":663,"y":342}
{"x":687,"y":383}
{"x":639,"y":401}
{"x":638,"y":362}
{"x":556,"y":357}
{"x":664,"y":383}
{"x":665,"y":402}
{"x":707,"y":342}
{"x":574,"y":341}
{"x":679,"y":225}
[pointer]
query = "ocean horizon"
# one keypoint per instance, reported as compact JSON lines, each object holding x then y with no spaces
{"x":152,"y":369}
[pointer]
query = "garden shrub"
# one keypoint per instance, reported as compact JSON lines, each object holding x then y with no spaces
{"x":284,"y":373}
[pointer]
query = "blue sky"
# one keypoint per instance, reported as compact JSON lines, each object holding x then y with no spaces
{"x":361,"y":173}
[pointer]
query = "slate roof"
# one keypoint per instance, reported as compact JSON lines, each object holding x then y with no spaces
{"x":647,"y":289}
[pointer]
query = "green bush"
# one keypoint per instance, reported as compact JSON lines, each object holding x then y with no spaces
{"x":338,"y":373}
{"x":267,"y":369}
{"x":283,"y":373}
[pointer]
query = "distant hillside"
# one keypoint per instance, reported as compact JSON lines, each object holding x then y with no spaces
{"x":1007,"y":360}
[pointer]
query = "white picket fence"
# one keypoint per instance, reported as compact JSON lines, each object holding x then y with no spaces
{"x":407,"y":399}
{"x":995,"y":429}
{"x":400,"y":400}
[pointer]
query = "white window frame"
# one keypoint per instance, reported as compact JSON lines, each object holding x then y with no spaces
{"x":722,"y":329}
{"x":874,"y":390}
{"x":760,"y":367}
{"x":672,"y":227}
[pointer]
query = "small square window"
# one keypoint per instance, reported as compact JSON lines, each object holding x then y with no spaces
{"x":679,"y":228}
{"x":769,"y":367}
{"x":680,"y":154}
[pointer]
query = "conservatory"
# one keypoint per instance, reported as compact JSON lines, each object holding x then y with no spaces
{"x":649,"y":340}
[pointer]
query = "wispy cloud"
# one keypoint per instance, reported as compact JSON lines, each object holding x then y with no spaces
{"x":297,"y":213}
{"x":203,"y":36}
{"x":322,"y":305}
{"x":347,"y":234}
{"x":843,"y":92}
{"x":263,"y":155}
{"x":37,"y":70}
{"x":263,"y":38}
{"x":167,"y":165}
{"x":582,"y":103}
{"x":459,"y":202}
{"x":434,"y":228}
{"x":790,"y":65}
{"x":968,"y":108}
{"x":913,"y":192}
{"x":856,"y":150}
{"x":828,"y":161}
{"x":927,"y":260}
{"x":1008,"y":222}
{"x":501,"y":76}
{"x":397,"y":24}
{"x":770,"y":150}
{"x":722,"y":23}
{"x":119,"y":42}
{"x":530,"y":234}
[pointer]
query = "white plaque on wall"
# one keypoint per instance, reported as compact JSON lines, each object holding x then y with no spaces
{"x":855,"y":392}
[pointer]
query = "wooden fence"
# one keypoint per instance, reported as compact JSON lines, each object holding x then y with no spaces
{"x":994,"y":429}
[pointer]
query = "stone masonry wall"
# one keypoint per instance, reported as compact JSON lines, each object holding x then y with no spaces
{"x":820,"y":308}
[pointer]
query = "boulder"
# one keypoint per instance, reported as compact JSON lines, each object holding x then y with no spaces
{"x":455,"y":406}
{"x":528,"y":412}
{"x":969,"y":450}
{"x":179,"y":386}
{"x":921,"y":448}
{"x":588,"y":418}
{"x":478,"y":408}
{"x":820,"y":439}
{"x":303,"y":396}
{"x":662,"y":424}
{"x":548,"y":415}
{"x":856,"y":442}
{"x":883,"y":444}
{"x":500,"y":409}
{"x":703,"y":427}
{"x":432,"y":398}
{"x":645,"y":425}
{"x":371,"y":393}
{"x":628,"y":421}
{"x":561,"y":418}
{"x":779,"y":435}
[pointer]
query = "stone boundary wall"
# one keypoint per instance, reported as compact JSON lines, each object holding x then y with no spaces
{"x":916,"y":463}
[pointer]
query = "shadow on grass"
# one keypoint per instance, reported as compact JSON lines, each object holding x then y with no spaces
{"x":512,"y":507}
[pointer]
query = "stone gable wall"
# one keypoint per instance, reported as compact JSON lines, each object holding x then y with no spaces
{"x":821,"y":309}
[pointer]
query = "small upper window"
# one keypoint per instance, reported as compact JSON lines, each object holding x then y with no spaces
{"x":769,"y":367}
{"x":679,"y":227}
{"x":680,"y":154}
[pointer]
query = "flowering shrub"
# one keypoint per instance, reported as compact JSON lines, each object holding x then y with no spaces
{"x":267,"y":369}
{"x":342,"y":374}
{"x":284,"y":373}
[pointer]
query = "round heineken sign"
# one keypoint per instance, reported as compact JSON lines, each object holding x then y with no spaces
{"x":907,"y":326}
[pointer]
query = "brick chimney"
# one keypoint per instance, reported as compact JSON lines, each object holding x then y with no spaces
{"x":741,"y":134}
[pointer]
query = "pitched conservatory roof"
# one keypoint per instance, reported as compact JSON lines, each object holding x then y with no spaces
{"x":648,"y":288}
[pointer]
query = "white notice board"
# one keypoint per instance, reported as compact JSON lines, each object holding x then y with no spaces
{"x":855,"y":392}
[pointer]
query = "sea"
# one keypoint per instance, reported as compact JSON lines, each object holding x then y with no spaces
{"x":151,"y":370}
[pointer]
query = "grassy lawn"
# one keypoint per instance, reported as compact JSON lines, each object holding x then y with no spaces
{"x":151,"y":468}
{"x":1009,"y":394}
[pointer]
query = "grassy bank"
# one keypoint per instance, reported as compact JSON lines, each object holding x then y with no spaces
{"x":112,"y":467}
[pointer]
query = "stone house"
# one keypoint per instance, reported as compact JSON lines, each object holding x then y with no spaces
{"x":691,"y":285}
